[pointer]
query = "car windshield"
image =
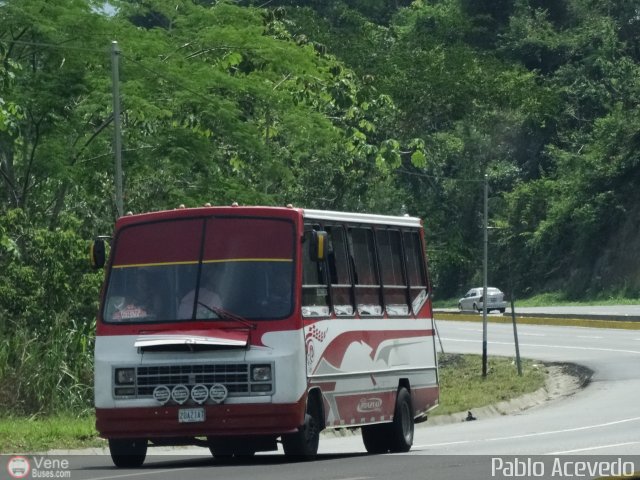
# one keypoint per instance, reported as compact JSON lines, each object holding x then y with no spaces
{"x":191,"y":269}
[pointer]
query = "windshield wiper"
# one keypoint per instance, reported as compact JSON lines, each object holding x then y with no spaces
{"x":227,"y":315}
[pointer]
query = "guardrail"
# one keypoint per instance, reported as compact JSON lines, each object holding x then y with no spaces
{"x":520,"y":315}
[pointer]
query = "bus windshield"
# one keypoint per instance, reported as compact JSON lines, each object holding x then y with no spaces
{"x":196,"y":269}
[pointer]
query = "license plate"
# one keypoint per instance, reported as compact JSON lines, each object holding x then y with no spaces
{"x":191,"y":415}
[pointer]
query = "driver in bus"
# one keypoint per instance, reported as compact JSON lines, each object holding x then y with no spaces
{"x":207,"y":297}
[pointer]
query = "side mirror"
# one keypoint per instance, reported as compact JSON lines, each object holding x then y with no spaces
{"x":97,"y":254}
{"x":318,"y":245}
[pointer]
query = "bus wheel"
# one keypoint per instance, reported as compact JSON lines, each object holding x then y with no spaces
{"x":402,"y":427}
{"x":303,"y":443}
{"x":376,"y":437}
{"x":127,"y":453}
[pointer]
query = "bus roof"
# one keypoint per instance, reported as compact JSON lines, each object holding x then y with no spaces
{"x":282,"y":212}
{"x":404,"y":221}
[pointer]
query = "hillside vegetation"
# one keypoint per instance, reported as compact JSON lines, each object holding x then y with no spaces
{"x":360,"y":105}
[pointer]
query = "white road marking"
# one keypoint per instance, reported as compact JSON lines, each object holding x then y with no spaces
{"x":537,"y":434}
{"x":599,"y":447}
{"x":589,"y":336}
{"x":564,"y":347}
{"x":152,"y":472}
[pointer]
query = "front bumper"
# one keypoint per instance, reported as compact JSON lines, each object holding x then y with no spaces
{"x":220,"y":420}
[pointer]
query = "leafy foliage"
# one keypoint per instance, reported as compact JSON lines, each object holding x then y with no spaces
{"x":385,"y":107}
{"x":48,"y":300}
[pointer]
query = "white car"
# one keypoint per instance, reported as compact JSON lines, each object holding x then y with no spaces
{"x":473,"y":300}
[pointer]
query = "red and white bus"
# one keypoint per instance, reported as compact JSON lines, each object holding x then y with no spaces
{"x":236,"y":328}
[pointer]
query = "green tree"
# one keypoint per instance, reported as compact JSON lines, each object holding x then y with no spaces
{"x":50,"y":52}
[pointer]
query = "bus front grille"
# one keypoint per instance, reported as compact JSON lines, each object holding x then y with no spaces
{"x":234,"y":376}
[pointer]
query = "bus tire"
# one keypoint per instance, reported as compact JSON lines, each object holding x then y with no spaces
{"x":376,"y":437}
{"x":304,"y":443}
{"x":128,"y":453}
{"x":403,"y":425}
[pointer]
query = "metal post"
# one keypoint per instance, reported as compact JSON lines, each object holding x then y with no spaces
{"x":117,"y":138}
{"x":515,"y":335}
{"x":484,"y":289}
{"x":513,"y":312}
{"x":435,"y":327}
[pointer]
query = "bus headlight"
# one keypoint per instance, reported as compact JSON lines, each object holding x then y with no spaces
{"x":261,"y":373}
{"x":125,"y":376}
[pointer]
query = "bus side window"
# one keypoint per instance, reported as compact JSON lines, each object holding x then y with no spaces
{"x":367,"y":283}
{"x":415,"y":270}
{"x":339,"y":272}
{"x":315,"y":293}
{"x":392,"y":272}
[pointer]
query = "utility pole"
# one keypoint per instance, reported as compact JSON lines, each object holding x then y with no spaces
{"x":484,"y":266}
{"x":117,"y":137}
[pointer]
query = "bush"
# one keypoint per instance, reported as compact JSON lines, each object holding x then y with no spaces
{"x":48,"y":301}
{"x":48,"y":371}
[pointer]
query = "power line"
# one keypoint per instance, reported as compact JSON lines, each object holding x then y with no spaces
{"x":164,"y":77}
{"x":208,"y":98}
{"x":59,"y":46}
{"x":438,"y":177}
{"x":106,"y":51}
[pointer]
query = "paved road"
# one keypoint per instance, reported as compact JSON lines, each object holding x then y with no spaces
{"x":603,"y":419}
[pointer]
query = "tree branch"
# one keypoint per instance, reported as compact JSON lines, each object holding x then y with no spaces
{"x":62,"y":191}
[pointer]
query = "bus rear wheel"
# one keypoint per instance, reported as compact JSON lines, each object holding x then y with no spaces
{"x":394,"y":437}
{"x":127,"y":453}
{"x":376,"y":438}
{"x":403,"y":425}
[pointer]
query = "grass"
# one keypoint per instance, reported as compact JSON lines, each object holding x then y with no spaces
{"x":40,"y":434}
{"x":47,"y":368}
{"x":462,"y":388}
{"x":559,"y":299}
